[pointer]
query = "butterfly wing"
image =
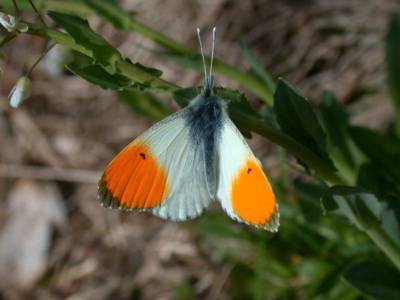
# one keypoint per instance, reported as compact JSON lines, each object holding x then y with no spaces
{"x":161,"y":171}
{"x":244,"y":190}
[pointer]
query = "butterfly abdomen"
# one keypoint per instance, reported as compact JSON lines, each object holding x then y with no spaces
{"x":204,"y":119}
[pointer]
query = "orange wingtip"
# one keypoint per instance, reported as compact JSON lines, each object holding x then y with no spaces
{"x":133,"y":180}
{"x":252,"y":197}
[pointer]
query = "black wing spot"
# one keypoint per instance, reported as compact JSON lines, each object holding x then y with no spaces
{"x":249,"y":170}
{"x":142,"y":155}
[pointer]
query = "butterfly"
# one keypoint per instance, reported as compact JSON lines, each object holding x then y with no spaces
{"x":181,"y":164}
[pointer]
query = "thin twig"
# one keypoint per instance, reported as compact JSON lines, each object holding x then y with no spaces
{"x":7,"y":39}
{"x":37,"y":12}
{"x":17,"y":11}
{"x":49,"y":173}
{"x":39,"y":59}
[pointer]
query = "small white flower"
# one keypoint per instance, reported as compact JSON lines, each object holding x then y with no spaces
{"x":20,"y":92}
{"x":11,"y":24}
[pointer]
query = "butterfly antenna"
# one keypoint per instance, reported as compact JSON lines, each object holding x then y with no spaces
{"x":202,"y":56}
{"x":212,"y":52}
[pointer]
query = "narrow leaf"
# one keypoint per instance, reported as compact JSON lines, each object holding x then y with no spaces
{"x":111,"y":12}
{"x":257,"y":66}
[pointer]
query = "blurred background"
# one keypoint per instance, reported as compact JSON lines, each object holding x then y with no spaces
{"x":57,"y":242}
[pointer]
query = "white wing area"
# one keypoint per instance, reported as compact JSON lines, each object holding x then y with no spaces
{"x":236,"y":158}
{"x":233,"y":154}
{"x":170,"y":143}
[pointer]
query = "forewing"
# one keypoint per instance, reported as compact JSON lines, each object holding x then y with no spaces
{"x":161,"y":171}
{"x":243,"y":189}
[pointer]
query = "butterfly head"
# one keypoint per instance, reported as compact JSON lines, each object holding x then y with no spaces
{"x":208,"y":76}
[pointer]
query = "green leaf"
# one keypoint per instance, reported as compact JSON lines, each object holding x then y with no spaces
{"x":374,"y":177}
{"x":101,"y":51}
{"x":99,"y":76}
{"x":184,"y":96}
{"x":374,"y":279}
{"x":361,"y":208}
{"x":340,"y":146}
{"x":392,"y":58}
{"x":391,"y":218}
{"x":257,"y":67}
{"x":309,"y":196}
{"x":379,"y":149}
{"x":144,"y":104}
{"x":296,"y":118}
{"x":111,"y":12}
{"x":238,"y":106}
{"x":151,"y":71}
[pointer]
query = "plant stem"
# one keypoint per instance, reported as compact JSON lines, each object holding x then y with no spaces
{"x":137,"y":74}
{"x":8,"y":38}
{"x":17,"y":12}
{"x":37,"y":12}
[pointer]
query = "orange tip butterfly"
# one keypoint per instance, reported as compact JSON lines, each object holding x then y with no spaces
{"x":180,"y":165}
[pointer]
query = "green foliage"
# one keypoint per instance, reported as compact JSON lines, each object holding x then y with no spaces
{"x":374,"y":279}
{"x":111,"y":12}
{"x":101,"y":51}
{"x":257,"y":67}
{"x":340,"y":146}
{"x":362,"y":209}
{"x":297,"y":119}
{"x":144,"y":104}
{"x":99,"y":76}
{"x":354,"y":172}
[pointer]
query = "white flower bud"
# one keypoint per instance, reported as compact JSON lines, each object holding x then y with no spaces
{"x":11,"y":24}
{"x":20,"y":92}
